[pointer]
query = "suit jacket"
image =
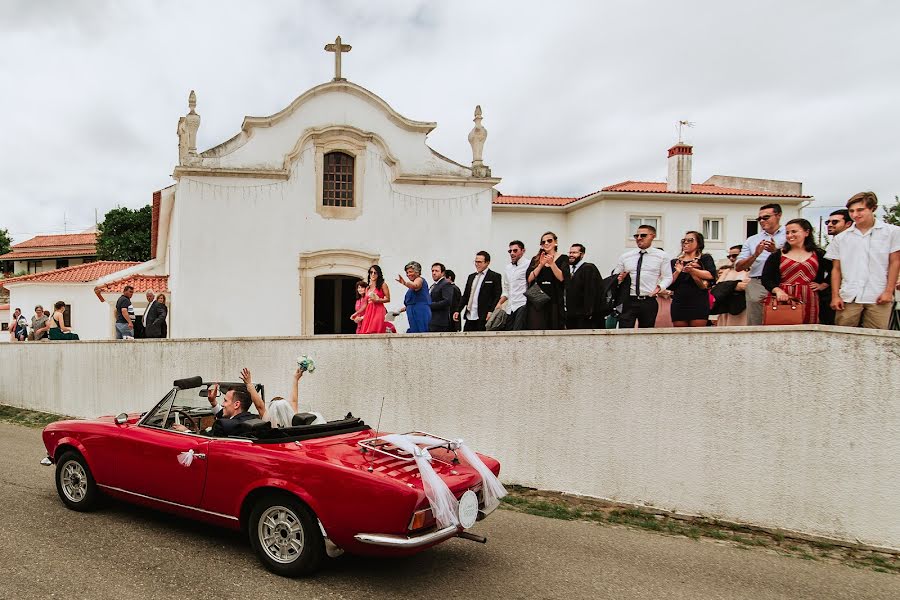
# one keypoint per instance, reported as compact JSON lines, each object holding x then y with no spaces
{"x":442,"y":301}
{"x":155,"y":321}
{"x":225,"y":426}
{"x":454,"y":304}
{"x":488,"y":297}
{"x":582,"y":291}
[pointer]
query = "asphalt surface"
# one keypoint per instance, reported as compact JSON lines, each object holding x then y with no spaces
{"x":47,"y":551}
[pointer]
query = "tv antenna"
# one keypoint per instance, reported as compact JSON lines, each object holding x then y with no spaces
{"x":681,"y":125}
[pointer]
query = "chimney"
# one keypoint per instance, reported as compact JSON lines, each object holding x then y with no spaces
{"x":679,"y":178}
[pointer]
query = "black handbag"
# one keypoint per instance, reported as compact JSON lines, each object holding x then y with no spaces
{"x":536,"y":296}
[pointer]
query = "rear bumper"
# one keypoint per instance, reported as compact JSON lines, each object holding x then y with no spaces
{"x":398,"y":541}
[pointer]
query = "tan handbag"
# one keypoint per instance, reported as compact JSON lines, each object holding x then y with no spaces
{"x":782,"y":313}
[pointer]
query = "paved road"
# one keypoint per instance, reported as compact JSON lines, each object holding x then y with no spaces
{"x":125,"y":552}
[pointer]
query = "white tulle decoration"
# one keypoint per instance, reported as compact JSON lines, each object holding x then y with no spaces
{"x":280,"y":413}
{"x":492,"y":489}
{"x":444,"y":506}
{"x":186,"y":458}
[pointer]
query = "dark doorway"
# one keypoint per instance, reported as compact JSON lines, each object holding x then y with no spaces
{"x":335,"y":301}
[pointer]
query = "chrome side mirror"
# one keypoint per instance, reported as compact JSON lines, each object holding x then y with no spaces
{"x":121,"y":418}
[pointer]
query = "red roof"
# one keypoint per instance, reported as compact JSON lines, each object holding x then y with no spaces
{"x":32,"y":254}
{"x":4,"y":306}
{"x":69,"y":239}
{"x":657,"y":187}
{"x":534,"y":200}
{"x":77,"y":274}
{"x":140,"y":283}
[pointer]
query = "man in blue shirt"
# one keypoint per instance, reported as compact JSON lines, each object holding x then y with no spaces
{"x":753,"y":257}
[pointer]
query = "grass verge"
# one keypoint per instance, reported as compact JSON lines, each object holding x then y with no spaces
{"x":28,"y":418}
{"x":557,"y":505}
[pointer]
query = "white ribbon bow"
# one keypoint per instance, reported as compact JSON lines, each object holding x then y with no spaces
{"x":186,"y":458}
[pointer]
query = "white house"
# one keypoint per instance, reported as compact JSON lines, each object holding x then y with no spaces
{"x":48,"y":252}
{"x":266,"y":233}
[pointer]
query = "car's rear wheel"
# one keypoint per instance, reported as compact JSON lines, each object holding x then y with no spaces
{"x":74,"y":482}
{"x":285,"y":536}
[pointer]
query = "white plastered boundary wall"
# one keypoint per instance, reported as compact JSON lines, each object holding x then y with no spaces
{"x":794,"y":428}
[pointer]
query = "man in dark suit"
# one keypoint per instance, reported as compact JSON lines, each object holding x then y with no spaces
{"x":483,"y":290}
{"x":231,"y":414}
{"x":581,"y":291}
{"x":441,"y":299}
{"x":450,"y":276}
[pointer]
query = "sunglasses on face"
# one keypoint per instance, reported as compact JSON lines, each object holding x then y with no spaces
{"x":513,"y":250}
{"x":640,"y":236}
{"x":546,"y":241}
{"x":733,"y":256}
{"x":688,"y":240}
{"x":764,"y":218}
{"x":833,"y":222}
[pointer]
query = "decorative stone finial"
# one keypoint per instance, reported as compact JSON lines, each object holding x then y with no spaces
{"x":188,"y":126}
{"x":477,"y":137}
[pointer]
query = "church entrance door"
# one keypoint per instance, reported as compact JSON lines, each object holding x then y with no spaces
{"x":335,"y":301}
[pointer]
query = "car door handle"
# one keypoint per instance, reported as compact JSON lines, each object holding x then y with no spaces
{"x":200,"y":456}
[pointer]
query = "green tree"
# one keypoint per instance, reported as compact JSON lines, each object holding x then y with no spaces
{"x":5,"y":243}
{"x":892,"y":213}
{"x":124,"y":234}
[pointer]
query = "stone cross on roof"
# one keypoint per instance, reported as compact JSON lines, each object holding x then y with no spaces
{"x":337,"y":47}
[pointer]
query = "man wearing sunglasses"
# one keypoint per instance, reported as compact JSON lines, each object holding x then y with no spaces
{"x":651,"y":271}
{"x":753,"y":257}
{"x":838,"y":222}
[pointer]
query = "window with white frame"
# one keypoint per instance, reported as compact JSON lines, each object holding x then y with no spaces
{"x":713,"y":228}
{"x":634,"y":222}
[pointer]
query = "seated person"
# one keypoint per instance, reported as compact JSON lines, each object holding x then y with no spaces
{"x":229,"y":415}
{"x":280,"y":412}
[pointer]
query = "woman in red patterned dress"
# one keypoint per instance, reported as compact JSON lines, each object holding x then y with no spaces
{"x":798,"y":270}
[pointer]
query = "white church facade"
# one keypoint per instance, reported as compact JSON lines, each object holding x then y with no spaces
{"x":265,"y":233}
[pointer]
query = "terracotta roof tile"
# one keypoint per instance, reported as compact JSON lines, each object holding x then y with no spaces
{"x":657,"y":187}
{"x":77,"y":274}
{"x":69,"y":239}
{"x":141,"y":283}
{"x":534,"y":200}
{"x":4,"y":306}
{"x":32,"y":254}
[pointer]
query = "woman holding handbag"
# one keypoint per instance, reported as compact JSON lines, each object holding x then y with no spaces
{"x":797,"y":272}
{"x":548,"y":272}
{"x":692,"y":274}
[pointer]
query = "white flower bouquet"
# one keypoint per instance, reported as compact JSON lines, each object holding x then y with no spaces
{"x":306,"y":364}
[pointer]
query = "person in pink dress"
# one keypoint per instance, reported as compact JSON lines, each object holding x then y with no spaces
{"x":359,"y":309}
{"x":377,"y":295}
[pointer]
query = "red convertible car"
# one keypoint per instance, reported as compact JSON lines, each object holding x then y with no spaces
{"x":300,"y":493}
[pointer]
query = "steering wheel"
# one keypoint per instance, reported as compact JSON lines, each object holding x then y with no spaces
{"x":192,"y":423}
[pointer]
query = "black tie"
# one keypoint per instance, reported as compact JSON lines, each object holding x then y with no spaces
{"x":637,"y":275}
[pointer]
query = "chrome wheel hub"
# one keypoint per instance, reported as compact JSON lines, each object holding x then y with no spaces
{"x":74,"y":481}
{"x":280,"y":534}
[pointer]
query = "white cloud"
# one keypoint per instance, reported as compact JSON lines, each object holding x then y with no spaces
{"x":576,"y":95}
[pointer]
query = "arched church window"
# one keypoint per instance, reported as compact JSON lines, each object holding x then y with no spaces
{"x":337,"y":188}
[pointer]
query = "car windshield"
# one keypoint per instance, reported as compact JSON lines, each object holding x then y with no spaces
{"x":176,"y":407}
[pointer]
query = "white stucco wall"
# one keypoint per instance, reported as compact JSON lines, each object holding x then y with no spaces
{"x":797,"y":428}
{"x":47,"y":264}
{"x":91,"y":319}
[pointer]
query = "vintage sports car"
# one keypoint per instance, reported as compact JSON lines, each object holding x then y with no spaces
{"x":300,"y":493}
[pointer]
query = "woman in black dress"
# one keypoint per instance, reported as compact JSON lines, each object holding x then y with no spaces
{"x":549,"y":270}
{"x":692,"y":274}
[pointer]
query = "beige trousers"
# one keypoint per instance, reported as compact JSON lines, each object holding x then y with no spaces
{"x":869,"y":316}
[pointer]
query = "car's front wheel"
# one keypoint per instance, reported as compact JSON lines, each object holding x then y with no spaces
{"x":285,"y":535}
{"x":74,"y":482}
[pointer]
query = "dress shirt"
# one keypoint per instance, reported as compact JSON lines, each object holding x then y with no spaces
{"x":656,"y":269}
{"x":431,"y":287}
{"x":752,"y":242}
{"x":472,"y":314}
{"x":514,"y":285}
{"x":864,"y":260}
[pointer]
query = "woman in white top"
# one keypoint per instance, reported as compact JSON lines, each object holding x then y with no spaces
{"x":280,"y":412}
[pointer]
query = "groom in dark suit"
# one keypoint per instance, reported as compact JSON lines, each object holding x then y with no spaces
{"x":483,"y":290}
{"x":441,"y":300}
{"x":582,"y":291}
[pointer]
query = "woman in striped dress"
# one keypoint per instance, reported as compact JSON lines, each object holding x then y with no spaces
{"x":798,"y":270}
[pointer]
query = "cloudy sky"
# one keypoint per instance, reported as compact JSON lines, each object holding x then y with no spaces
{"x":576,"y":95}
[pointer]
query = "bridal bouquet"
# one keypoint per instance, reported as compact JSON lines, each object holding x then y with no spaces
{"x":306,"y":363}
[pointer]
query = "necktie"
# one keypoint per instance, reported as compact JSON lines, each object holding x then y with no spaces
{"x":473,"y":291}
{"x":637,"y":275}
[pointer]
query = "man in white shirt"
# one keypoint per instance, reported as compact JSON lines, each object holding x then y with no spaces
{"x":514,"y":286}
{"x":866,"y":266}
{"x":651,"y":271}
{"x":753,"y":257}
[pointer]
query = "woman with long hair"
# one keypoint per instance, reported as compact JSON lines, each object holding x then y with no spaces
{"x":798,"y":270}
{"x":417,"y":302}
{"x":359,"y":309}
{"x":549,"y":270}
{"x":693,"y":272}
{"x":377,"y":295}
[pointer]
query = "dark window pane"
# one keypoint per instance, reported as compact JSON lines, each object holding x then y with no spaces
{"x":337,"y":188}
